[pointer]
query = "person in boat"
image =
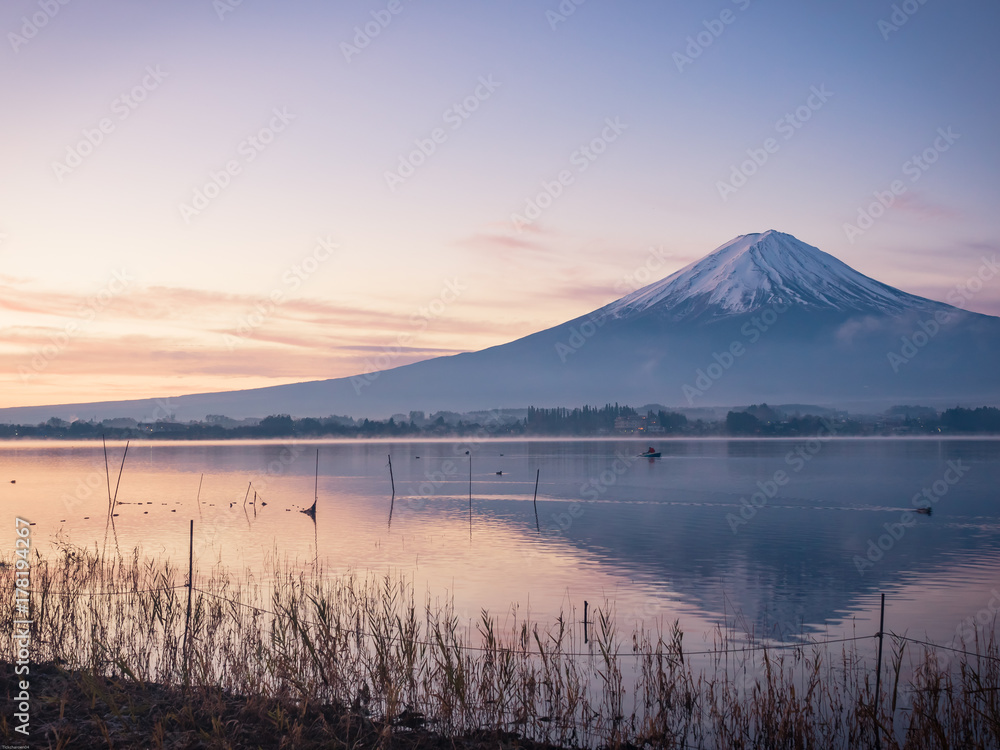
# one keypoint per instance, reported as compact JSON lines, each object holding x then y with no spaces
{"x":651,"y":449}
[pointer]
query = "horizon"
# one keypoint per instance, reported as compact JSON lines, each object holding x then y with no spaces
{"x":248,"y":195}
{"x":495,"y":424}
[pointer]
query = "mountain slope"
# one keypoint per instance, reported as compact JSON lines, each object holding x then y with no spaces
{"x":764,"y":317}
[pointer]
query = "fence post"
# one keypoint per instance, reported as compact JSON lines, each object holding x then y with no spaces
{"x":393,"y":481}
{"x":187,"y":617}
{"x":534,"y":501}
{"x":878,"y":676}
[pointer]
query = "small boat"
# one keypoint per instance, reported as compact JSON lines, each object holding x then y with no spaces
{"x":926,"y":511}
{"x":648,"y":454}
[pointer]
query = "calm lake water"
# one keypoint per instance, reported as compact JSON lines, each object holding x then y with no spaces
{"x":671,"y":538}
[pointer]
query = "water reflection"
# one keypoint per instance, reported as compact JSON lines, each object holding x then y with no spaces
{"x":766,"y":533}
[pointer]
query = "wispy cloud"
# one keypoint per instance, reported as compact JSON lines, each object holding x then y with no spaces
{"x":211,"y":340}
{"x":924,"y":208}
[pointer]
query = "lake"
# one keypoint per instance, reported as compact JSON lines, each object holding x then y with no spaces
{"x":774,"y":538}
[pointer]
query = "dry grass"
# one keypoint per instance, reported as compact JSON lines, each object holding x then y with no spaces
{"x":303,"y":660}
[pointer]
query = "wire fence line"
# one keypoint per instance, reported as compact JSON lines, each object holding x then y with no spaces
{"x":943,"y":648}
{"x":480,"y":649}
{"x":106,"y":593}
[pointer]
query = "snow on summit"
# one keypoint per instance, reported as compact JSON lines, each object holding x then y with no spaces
{"x":755,"y":270}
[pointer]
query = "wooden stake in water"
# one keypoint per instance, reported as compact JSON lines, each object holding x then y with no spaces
{"x":106,"y":472}
{"x":197,"y":499}
{"x":187,"y":617}
{"x":585,"y":623}
{"x":534,"y":500}
{"x":878,"y":676}
{"x":311,"y":512}
{"x":115,"y":499}
{"x":390,"y":476}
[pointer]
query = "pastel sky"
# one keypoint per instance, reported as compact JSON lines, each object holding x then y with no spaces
{"x":203,"y":196}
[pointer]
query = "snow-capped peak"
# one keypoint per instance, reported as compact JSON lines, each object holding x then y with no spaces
{"x":756,"y":270}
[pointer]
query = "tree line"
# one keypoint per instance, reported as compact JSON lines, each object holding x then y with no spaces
{"x":609,"y":420}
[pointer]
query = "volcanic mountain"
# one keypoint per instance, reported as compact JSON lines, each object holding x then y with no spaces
{"x":764,"y":317}
{"x":754,"y":271}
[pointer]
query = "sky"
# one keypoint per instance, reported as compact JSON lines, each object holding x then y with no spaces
{"x":210,"y":195}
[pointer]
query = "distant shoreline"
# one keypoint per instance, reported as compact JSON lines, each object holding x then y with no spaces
{"x":607,"y":422}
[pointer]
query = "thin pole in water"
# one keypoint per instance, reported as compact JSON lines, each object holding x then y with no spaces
{"x":878,"y":675}
{"x":115,"y":500}
{"x":469,"y":454}
{"x":585,"y":606}
{"x":311,"y":511}
{"x":534,"y":501}
{"x":197,"y":499}
{"x":107,"y":473}
{"x":187,"y":617}
{"x":390,"y":476}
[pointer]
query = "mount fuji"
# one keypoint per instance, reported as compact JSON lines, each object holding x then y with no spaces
{"x":764,"y":317}
{"x":756,"y":270}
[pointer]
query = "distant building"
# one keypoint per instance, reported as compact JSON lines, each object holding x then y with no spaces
{"x":629,"y":425}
